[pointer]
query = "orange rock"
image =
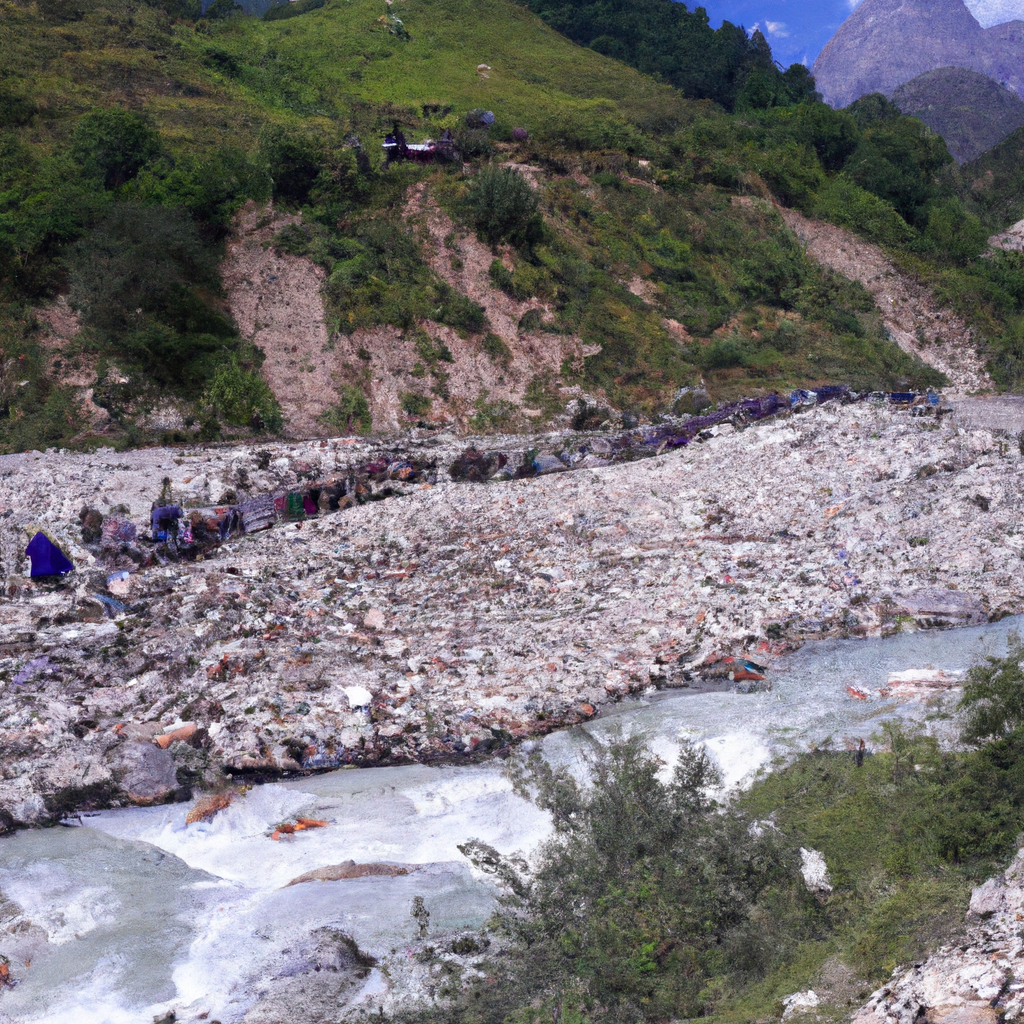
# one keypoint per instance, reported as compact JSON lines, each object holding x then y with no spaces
{"x":587,"y":709}
{"x":207,"y":806}
{"x":185,"y":733}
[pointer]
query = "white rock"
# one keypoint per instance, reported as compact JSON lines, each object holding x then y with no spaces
{"x":358,"y":696}
{"x":815,"y":871}
{"x":799,"y":1001}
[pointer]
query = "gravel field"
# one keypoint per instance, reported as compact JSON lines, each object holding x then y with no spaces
{"x":454,"y":619}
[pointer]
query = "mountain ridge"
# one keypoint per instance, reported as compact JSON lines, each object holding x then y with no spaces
{"x":886,"y":43}
{"x":971,"y":111}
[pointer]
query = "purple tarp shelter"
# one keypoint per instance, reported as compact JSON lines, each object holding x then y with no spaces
{"x":47,"y":558}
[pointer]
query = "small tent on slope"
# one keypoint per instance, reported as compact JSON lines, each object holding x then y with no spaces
{"x":47,"y":558}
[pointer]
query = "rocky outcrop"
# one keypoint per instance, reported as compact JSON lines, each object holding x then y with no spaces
{"x":1011,"y":240}
{"x":978,"y":980}
{"x":886,"y":43}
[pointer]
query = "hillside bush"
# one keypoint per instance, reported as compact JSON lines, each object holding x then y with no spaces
{"x":114,"y":144}
{"x":503,"y":207}
{"x":295,"y":158}
{"x":957,"y":235}
{"x":351,"y":413}
{"x":243,"y":398}
{"x":211,"y":188}
{"x":842,"y":201}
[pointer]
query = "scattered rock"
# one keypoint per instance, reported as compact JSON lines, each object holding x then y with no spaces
{"x":207,"y":807}
{"x":464,"y":617}
{"x":987,"y":898}
{"x":933,"y":607}
{"x":350,"y":869}
{"x":183,"y":734}
{"x":798,"y":1002}
{"x":374,"y":619}
{"x":815,"y":872}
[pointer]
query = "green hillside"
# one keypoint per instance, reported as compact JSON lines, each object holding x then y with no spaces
{"x":124,"y":124}
{"x":996,"y":181}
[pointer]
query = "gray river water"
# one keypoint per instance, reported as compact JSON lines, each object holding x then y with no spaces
{"x":134,"y":911}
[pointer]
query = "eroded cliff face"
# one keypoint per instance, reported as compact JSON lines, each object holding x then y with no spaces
{"x":276,"y":300}
{"x":886,"y":43}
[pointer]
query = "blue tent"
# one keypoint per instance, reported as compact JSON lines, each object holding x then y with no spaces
{"x":47,"y":558}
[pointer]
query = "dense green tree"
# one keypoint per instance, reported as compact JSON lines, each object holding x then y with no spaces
{"x":503,"y":207}
{"x":645,"y":894}
{"x":114,"y":144}
{"x":295,"y":158}
{"x":145,"y":282}
{"x":897,"y":157}
{"x":664,"y":38}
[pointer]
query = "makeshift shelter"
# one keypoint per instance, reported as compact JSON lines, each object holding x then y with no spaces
{"x":258,"y":513}
{"x":47,"y":558}
{"x":164,"y":521}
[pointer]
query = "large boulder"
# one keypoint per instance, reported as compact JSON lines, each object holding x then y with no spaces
{"x":932,"y":607}
{"x":148,"y":772}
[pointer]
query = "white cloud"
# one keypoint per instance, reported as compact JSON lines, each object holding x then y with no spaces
{"x":777,"y":28}
{"x":996,"y":12}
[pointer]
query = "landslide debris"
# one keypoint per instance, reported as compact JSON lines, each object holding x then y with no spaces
{"x":456,"y":617}
{"x":915,"y":320}
{"x":978,"y":979}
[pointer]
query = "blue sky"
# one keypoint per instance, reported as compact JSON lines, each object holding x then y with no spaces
{"x":798,"y":29}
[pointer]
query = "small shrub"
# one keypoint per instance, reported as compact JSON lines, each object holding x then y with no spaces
{"x":295,"y":157}
{"x":414,"y":404}
{"x":351,"y":414}
{"x":244,"y":399}
{"x":497,"y":349}
{"x":531,"y":320}
{"x":114,"y":144}
{"x":503,"y":207}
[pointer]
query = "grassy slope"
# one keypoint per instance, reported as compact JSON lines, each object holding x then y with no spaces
{"x":761,"y":317}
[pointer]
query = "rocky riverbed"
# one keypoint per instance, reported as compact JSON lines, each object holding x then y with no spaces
{"x":460,"y":616}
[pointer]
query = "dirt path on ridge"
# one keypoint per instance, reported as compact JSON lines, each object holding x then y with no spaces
{"x":910,"y":312}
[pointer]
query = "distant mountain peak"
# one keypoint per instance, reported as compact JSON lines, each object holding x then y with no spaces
{"x":996,"y":12}
{"x":885,"y":43}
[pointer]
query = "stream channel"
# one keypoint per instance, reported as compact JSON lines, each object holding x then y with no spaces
{"x":132,"y":913}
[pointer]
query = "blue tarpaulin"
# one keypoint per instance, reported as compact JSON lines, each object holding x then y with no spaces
{"x":47,"y":558}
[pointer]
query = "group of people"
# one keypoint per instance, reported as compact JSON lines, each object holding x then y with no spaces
{"x":397,"y":148}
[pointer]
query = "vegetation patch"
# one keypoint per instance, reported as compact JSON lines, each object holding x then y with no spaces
{"x":652,"y":902}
